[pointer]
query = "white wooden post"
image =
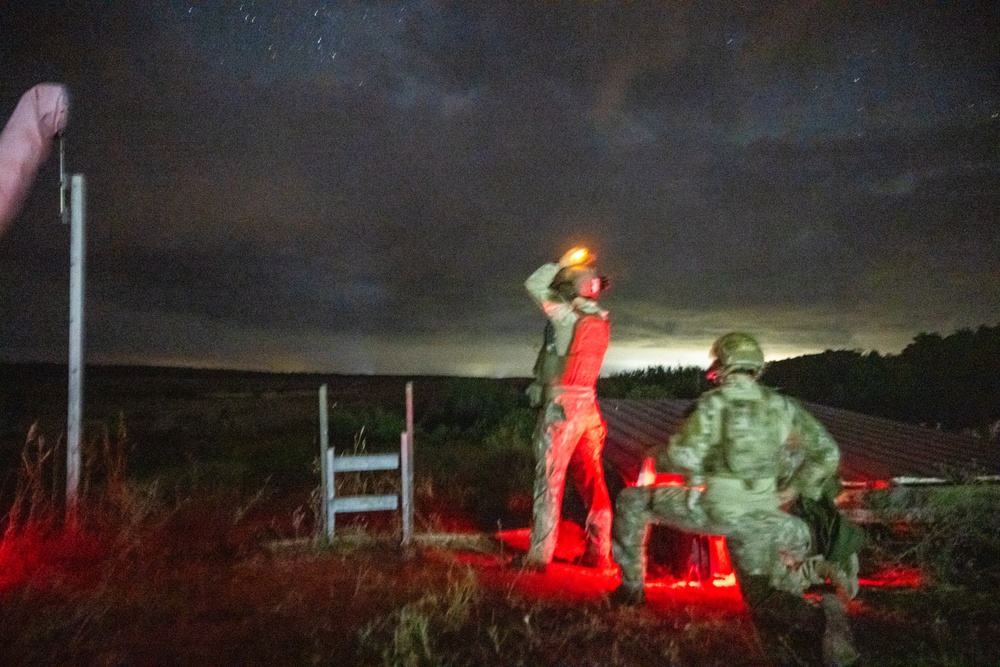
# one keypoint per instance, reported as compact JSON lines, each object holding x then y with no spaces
{"x":77,"y":256}
{"x":324,"y":443}
{"x":330,"y":498}
{"x":360,"y":463}
{"x":406,"y":467}
{"x":331,"y":464}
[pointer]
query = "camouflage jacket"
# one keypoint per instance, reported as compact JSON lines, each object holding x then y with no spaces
{"x":747,"y":431}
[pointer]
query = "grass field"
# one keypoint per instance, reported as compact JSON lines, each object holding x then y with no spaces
{"x":194,"y":544}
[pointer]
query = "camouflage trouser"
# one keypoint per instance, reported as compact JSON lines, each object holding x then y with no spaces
{"x":570,"y":435}
{"x":762,"y":539}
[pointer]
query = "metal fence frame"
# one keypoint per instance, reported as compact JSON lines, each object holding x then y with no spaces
{"x":331,"y":464}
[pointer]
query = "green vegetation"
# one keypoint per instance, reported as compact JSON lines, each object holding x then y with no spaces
{"x":949,"y":382}
{"x":950,"y":532}
{"x":474,"y":429}
{"x":152,"y":575}
{"x":655,"y":382}
{"x":193,"y":539}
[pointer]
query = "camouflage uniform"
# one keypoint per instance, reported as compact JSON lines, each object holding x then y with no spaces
{"x":740,"y":443}
{"x":733,"y":446}
{"x":570,"y":431}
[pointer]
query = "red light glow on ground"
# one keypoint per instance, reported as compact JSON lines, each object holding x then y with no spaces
{"x":563,"y":578}
{"x":42,"y":555}
{"x":37,"y":557}
{"x":898,"y":577}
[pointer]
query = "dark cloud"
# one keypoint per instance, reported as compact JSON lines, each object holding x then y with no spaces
{"x":366,"y":186}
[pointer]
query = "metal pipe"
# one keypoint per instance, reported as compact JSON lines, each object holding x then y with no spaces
{"x":77,"y":256}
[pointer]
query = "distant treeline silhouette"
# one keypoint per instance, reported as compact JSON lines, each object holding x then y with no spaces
{"x":947,"y":382}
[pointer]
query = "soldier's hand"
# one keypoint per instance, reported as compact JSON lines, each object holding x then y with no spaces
{"x":536,"y":393}
{"x":575,"y":256}
{"x":693,"y":498}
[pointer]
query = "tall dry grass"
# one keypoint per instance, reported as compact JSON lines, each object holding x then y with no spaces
{"x":186,"y":577}
{"x":42,"y":540}
{"x":105,"y":496}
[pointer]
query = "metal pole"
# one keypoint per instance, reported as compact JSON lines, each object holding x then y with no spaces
{"x":63,"y":211}
{"x":324,"y":443}
{"x":331,"y":498}
{"x":406,"y":467}
{"x":77,"y":255}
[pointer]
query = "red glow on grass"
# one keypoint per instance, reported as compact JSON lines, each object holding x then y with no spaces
{"x":46,"y":556}
{"x":566,"y":581}
{"x":897,"y":577}
{"x":563,"y":577}
{"x":717,"y":581}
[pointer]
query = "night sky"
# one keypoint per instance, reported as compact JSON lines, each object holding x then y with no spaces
{"x":360,"y":187}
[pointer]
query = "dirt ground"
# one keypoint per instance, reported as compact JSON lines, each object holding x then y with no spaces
{"x":199,"y":587}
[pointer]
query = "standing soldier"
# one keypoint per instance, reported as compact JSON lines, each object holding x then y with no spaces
{"x":570,"y":432}
{"x":734,"y":450}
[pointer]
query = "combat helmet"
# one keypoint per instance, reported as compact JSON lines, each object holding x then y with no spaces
{"x":579,"y":276}
{"x":573,"y":281}
{"x":735,"y":352}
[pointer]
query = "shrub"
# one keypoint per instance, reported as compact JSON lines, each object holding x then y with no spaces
{"x":655,"y":382}
{"x":515,"y":431}
{"x":472,"y":408}
{"x":380,"y":426}
{"x":951,"y":532}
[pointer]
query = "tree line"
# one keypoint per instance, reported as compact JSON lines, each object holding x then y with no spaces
{"x":947,"y":382}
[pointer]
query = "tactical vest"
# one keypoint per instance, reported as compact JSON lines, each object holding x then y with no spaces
{"x":547,"y":364}
{"x":582,"y":364}
{"x":750,"y":437}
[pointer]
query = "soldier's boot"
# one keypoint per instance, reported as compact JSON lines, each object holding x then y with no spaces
{"x":838,"y":640}
{"x":529,"y":563}
{"x":789,"y":626}
{"x":629,"y":595}
{"x":602,"y":563}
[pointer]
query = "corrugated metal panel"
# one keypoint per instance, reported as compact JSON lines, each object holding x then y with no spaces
{"x":636,"y":426}
{"x":872,"y":449}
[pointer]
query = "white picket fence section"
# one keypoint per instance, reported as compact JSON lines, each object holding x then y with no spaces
{"x":331,"y":464}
